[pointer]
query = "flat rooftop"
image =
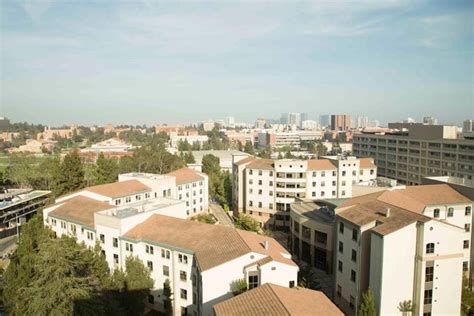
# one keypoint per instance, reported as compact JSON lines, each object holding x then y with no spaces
{"x":19,"y":196}
{"x":144,"y":175}
{"x":314,"y":210}
{"x":454,"y":180}
{"x":144,"y":206}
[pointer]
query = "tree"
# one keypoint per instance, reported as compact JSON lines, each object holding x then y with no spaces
{"x":246,"y":222}
{"x":204,"y":218}
{"x":71,"y":174}
{"x":405,"y":307}
{"x":249,"y":148}
{"x":367,"y":307}
{"x":168,"y":294}
{"x":137,"y":284}
{"x":211,"y":165}
{"x":188,"y":157}
{"x":467,"y":298}
{"x":106,"y":170}
{"x":196,"y":146}
{"x":307,"y":278}
{"x":238,"y":287}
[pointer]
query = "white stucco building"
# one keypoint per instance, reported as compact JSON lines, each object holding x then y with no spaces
{"x":408,"y":244}
{"x":265,"y":188}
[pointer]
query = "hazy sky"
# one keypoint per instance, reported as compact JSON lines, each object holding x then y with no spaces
{"x":153,"y":62}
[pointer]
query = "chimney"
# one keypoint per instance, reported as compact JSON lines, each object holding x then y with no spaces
{"x":265,"y":244}
{"x":387,"y":212}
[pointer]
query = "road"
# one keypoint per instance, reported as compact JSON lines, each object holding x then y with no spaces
{"x":7,"y":244}
{"x":220,"y":214}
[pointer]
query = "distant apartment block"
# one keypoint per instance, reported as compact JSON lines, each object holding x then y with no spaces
{"x":410,"y":151}
{"x":265,"y":188}
{"x":191,"y":139}
{"x":468,"y":129}
{"x":410,"y":244}
{"x":239,"y":137}
{"x":139,"y":216}
{"x":50,"y":133}
{"x":291,"y":139}
{"x":341,"y":122}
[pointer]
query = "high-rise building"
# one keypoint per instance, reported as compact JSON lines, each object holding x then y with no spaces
{"x":411,"y":151}
{"x":429,"y":120}
{"x":468,"y":129}
{"x":260,"y":123}
{"x":325,"y":120}
{"x":229,"y":121}
{"x":309,"y":125}
{"x":294,"y":119}
{"x":304,"y":117}
{"x":362,"y":122}
{"x":341,"y":122}
{"x":265,"y":188}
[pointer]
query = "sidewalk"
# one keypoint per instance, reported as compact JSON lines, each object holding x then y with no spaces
{"x":220,"y":214}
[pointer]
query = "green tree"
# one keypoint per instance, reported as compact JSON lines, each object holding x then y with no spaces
{"x":188,"y":157}
{"x":137,"y":284}
{"x":204,"y":218}
{"x":71,"y":174}
{"x":249,"y":149}
{"x":367,"y":306}
{"x":168,"y":294}
{"x":106,"y":170}
{"x":246,"y":222}
{"x":211,"y":165}
{"x":196,"y":146}
{"x":22,"y":170}
{"x":238,"y":287}
{"x":467,"y":298}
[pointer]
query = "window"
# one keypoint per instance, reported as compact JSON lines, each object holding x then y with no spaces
{"x":341,"y":247}
{"x":182,"y":275}
{"x":352,"y":302}
{"x":343,"y":173}
{"x":270,"y":206}
{"x":339,"y":290}
{"x":467,"y":227}
{"x":260,"y":193}
{"x":166,"y":270}
{"x":250,"y":171}
{"x":115,"y":242}
{"x":339,"y":266}
{"x":292,"y":284}
{"x":354,"y":255}
{"x":128,"y":247}
{"x":149,"y":249}
{"x":430,"y":247}
{"x":341,"y":227}
{"x":151,"y":299}
{"x":436,"y":213}
{"x":465,"y":244}
{"x":467,"y":211}
{"x":353,"y":276}
{"x":343,"y":183}
{"x":355,"y":233}
{"x":149,"y":264}
{"x":465,"y":265}
{"x":450,"y":212}
{"x":165,"y":253}
{"x":428,"y":297}
{"x":323,"y":173}
{"x":271,"y":183}
{"x":102,"y":238}
{"x":429,"y":274}
{"x":183,"y":258}
{"x":253,"y":281}
{"x":116,"y":259}
{"x":250,"y":203}
{"x":183,"y":294}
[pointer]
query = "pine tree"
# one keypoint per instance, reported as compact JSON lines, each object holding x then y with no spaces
{"x":71,"y":173}
{"x":249,"y":148}
{"x":246,"y":222}
{"x":367,"y":307}
{"x":106,"y":170}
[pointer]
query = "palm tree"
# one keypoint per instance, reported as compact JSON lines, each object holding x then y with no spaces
{"x":406,"y":307}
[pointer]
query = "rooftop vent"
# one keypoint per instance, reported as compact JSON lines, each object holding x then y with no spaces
{"x":386,"y":212}
{"x":265,"y":244}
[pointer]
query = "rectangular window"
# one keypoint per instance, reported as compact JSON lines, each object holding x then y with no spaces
{"x":149,"y":264}
{"x":165,"y":253}
{"x":341,"y":247}
{"x":428,"y":297}
{"x":116,"y":258}
{"x":354,"y":255}
{"x":339,"y":291}
{"x":166,"y":270}
{"x":467,"y":227}
{"x":339,"y":266}
{"x":352,"y":302}
{"x":253,"y":281}
{"x":128,"y":247}
{"x":465,"y":244}
{"x":182,"y":275}
{"x":465,"y":265}
{"x":450,"y":212}
{"x":429,"y":274}
{"x":467,"y":211}
{"x":353,"y":276}
{"x":115,"y":242}
{"x":436,"y":213}
{"x":355,"y":233}
{"x":183,"y":294}
{"x":341,"y":227}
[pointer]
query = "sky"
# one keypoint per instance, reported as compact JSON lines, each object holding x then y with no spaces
{"x":149,"y":62}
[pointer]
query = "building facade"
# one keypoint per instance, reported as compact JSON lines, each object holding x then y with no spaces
{"x":422,"y":151}
{"x":265,"y":188}
{"x":341,"y":122}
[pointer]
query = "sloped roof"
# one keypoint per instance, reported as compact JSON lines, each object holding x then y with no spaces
{"x":186,"y":175}
{"x":213,"y":245}
{"x":119,"y":189}
{"x":367,"y":163}
{"x":270,"y":299}
{"x":80,"y":209}
{"x":266,"y":164}
{"x":321,"y":164}
{"x":435,"y":194}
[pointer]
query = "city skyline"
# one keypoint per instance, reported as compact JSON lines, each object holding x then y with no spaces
{"x":152,"y":62}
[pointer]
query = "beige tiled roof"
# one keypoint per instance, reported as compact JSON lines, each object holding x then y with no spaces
{"x":258,"y":163}
{"x":245,"y":160}
{"x":321,"y":164}
{"x":119,"y":189}
{"x":80,"y":209}
{"x":186,"y":175}
{"x":274,"y":300}
{"x":367,"y":163}
{"x":212,"y":244}
{"x":435,"y":194}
